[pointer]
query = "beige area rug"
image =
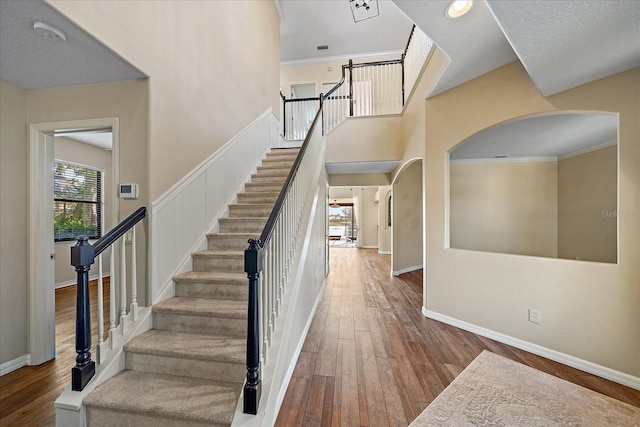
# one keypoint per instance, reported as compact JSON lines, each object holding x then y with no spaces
{"x":495,"y":391}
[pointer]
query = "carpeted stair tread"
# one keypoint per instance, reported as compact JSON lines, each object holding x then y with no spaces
{"x":190,"y":346}
{"x":204,"y":307}
{"x":216,"y":277}
{"x":166,"y":396}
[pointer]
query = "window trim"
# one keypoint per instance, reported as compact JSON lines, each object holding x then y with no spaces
{"x":100,"y":203}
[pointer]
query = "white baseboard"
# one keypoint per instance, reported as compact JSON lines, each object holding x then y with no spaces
{"x":406,"y":270}
{"x":384,"y":252}
{"x":565,"y":359}
{"x":14,"y":364}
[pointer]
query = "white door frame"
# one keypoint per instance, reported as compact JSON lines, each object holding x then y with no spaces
{"x":40,"y":265}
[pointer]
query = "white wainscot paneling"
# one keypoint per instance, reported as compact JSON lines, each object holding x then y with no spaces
{"x":183,"y":216}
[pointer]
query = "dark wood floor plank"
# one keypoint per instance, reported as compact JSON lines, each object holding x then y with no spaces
{"x":402,"y":360}
{"x":27,"y":394}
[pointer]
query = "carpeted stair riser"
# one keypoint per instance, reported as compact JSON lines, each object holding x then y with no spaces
{"x":260,"y":198}
{"x":212,"y":290}
{"x":242,"y":225}
{"x":277,"y":163}
{"x":209,"y":370}
{"x":229,"y":241}
{"x":252,"y":187}
{"x":200,"y":324}
{"x":274,"y":170}
{"x":270,"y":178}
{"x":250,"y":210}
{"x":218,"y":261}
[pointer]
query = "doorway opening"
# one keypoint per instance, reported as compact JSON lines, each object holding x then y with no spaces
{"x":343,"y":227}
{"x":63,"y":200}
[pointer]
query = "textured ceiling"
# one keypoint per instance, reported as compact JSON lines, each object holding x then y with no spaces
{"x":307,"y":24}
{"x":555,"y":135}
{"x":474,"y":42}
{"x":564,"y":44}
{"x":32,"y":62}
{"x":561,"y":43}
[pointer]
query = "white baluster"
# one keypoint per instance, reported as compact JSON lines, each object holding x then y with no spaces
{"x":101,"y":349}
{"x":134,"y":278}
{"x":112,"y":296}
{"x":123,"y":286}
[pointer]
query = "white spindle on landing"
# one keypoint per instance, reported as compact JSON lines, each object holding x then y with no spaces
{"x":102,"y":346}
{"x":134,"y":279}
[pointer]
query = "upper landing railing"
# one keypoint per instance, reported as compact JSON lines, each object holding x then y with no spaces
{"x":365,"y":89}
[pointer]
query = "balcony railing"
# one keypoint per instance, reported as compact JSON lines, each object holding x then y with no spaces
{"x":365,"y":89}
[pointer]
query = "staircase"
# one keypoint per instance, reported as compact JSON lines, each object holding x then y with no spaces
{"x":189,"y":369}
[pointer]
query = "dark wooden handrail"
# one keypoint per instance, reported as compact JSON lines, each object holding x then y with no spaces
{"x":265,"y":236}
{"x":413,"y":30}
{"x":83,"y":255}
{"x":119,"y":230}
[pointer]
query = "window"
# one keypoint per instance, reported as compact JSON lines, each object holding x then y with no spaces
{"x":77,"y":201}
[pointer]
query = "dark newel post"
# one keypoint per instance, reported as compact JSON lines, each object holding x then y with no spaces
{"x":253,"y":386}
{"x":82,"y":256}
{"x":402,"y":63}
{"x":350,"y":87}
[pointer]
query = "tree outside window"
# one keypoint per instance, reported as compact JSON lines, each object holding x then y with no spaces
{"x":77,"y":205}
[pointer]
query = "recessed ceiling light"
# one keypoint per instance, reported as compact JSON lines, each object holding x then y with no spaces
{"x":49,"y":32}
{"x":457,"y":8}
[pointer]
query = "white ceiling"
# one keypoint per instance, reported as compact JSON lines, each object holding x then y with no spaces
{"x":100,"y":139}
{"x":543,"y":136}
{"x":306,"y":24}
{"x":32,"y":62}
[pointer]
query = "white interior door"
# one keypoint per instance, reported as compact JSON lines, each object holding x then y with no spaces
{"x":42,"y":309}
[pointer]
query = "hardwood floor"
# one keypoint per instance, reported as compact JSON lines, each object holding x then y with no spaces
{"x":372,"y":359}
{"x":27,"y":394}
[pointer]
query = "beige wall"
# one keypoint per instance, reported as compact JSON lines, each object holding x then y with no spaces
{"x":362,"y":139}
{"x":13,"y":222}
{"x":127,"y":101}
{"x":587,"y":193}
{"x":213,"y":67}
{"x":407,"y":219}
{"x":588,"y":310}
{"x":86,"y":155}
{"x":369,"y":224}
{"x":506,"y":207}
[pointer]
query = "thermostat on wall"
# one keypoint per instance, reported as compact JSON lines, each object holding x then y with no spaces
{"x":128,"y":191}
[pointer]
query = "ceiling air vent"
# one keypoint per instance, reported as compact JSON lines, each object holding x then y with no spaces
{"x":323,"y":47}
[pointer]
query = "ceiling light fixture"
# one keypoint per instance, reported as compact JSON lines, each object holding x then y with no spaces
{"x":49,"y":32}
{"x":334,"y":204}
{"x":457,"y":8}
{"x":364,"y":9}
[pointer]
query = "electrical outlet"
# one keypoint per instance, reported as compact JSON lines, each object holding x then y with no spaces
{"x":534,"y":316}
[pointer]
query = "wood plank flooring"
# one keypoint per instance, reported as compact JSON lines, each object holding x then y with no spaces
{"x":372,"y":359}
{"x":27,"y":394}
